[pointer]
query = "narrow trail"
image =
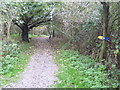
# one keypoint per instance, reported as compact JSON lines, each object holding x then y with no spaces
{"x":41,"y":70}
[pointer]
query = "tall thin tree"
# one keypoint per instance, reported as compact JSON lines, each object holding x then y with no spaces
{"x":105,"y":21}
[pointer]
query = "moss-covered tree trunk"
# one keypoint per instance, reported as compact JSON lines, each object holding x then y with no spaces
{"x":118,"y":56}
{"x":103,"y":52}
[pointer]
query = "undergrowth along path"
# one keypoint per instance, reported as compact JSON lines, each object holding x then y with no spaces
{"x":41,"y":69}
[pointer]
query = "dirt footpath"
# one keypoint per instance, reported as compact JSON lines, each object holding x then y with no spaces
{"x":41,"y":70}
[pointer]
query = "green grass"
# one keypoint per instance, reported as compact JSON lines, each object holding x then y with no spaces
{"x":30,"y":36}
{"x":14,"y":61}
{"x":79,"y":71}
{"x":33,"y":35}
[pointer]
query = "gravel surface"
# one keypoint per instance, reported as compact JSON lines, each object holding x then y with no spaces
{"x":41,"y":70}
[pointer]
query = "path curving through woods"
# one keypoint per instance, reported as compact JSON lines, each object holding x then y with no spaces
{"x":41,"y":70}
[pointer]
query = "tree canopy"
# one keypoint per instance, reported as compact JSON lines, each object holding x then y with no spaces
{"x":30,"y":15}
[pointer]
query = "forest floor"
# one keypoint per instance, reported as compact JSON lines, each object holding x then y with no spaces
{"x":41,"y":69}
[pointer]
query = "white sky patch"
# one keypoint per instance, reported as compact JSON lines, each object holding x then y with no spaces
{"x":59,"y":0}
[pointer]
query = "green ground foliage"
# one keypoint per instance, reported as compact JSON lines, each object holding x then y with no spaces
{"x":79,"y":71}
{"x":13,"y":61}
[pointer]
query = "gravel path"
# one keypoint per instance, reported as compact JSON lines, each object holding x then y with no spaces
{"x":41,"y":70}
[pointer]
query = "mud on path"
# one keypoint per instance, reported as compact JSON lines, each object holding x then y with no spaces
{"x":41,"y":70}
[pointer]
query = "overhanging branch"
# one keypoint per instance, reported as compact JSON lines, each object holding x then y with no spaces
{"x":41,"y":20}
{"x":38,"y":23}
{"x":18,"y":25}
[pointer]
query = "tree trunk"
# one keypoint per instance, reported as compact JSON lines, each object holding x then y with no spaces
{"x":53,"y":33}
{"x":105,"y":29}
{"x":8,"y":30}
{"x":50,"y":36}
{"x":118,"y":56}
{"x":5,"y":28}
{"x":25,"y":35}
{"x":25,"y":31}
